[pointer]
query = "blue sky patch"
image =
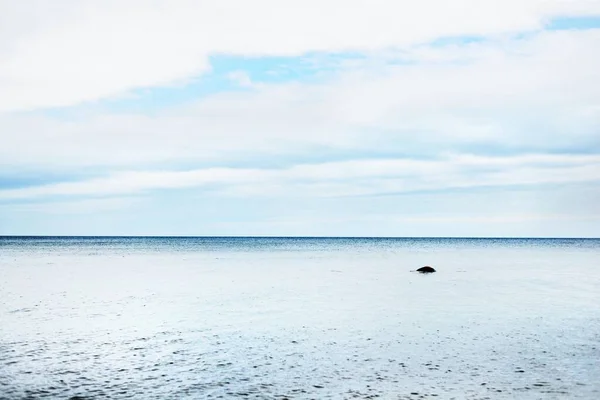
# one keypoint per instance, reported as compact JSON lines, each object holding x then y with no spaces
{"x":574,"y":23}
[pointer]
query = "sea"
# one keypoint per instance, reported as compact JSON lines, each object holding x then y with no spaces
{"x":299,"y":318}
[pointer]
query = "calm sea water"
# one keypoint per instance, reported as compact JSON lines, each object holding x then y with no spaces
{"x":276,"y":318}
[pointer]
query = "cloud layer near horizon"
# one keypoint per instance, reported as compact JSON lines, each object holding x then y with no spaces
{"x":346,"y":178}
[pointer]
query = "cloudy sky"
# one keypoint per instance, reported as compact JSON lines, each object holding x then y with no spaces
{"x":271,"y":117}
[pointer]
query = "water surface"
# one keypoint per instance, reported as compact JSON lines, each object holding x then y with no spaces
{"x":274,"y":318}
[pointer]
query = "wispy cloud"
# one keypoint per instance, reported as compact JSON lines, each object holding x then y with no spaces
{"x":80,"y":206}
{"x":241,"y":78}
{"x":359,"y":177}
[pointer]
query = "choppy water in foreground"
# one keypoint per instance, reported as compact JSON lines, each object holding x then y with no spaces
{"x":196,"y":318}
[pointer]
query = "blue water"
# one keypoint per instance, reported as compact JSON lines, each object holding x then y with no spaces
{"x":274,"y":318}
{"x":171,"y":244}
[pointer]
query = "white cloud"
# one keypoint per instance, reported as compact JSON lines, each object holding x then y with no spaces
{"x":349,"y":178}
{"x":492,"y":219}
{"x":427,"y":218}
{"x":536,"y":94}
{"x":81,"y":206}
{"x":65,"y":52}
{"x":241,"y":78}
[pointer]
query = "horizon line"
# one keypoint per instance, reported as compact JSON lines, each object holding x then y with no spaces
{"x":293,"y":237}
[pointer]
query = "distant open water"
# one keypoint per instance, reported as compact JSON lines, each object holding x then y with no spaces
{"x":299,"y":318}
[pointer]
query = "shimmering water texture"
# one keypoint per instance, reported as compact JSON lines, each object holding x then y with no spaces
{"x":277,"y":318}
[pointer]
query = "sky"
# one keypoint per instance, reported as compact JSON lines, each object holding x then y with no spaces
{"x":300,"y":118}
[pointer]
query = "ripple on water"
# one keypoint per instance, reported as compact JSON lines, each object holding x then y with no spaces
{"x":295,"y":324}
{"x":238,"y":366}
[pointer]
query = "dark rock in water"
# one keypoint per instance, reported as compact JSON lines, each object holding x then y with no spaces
{"x":426,"y":270}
